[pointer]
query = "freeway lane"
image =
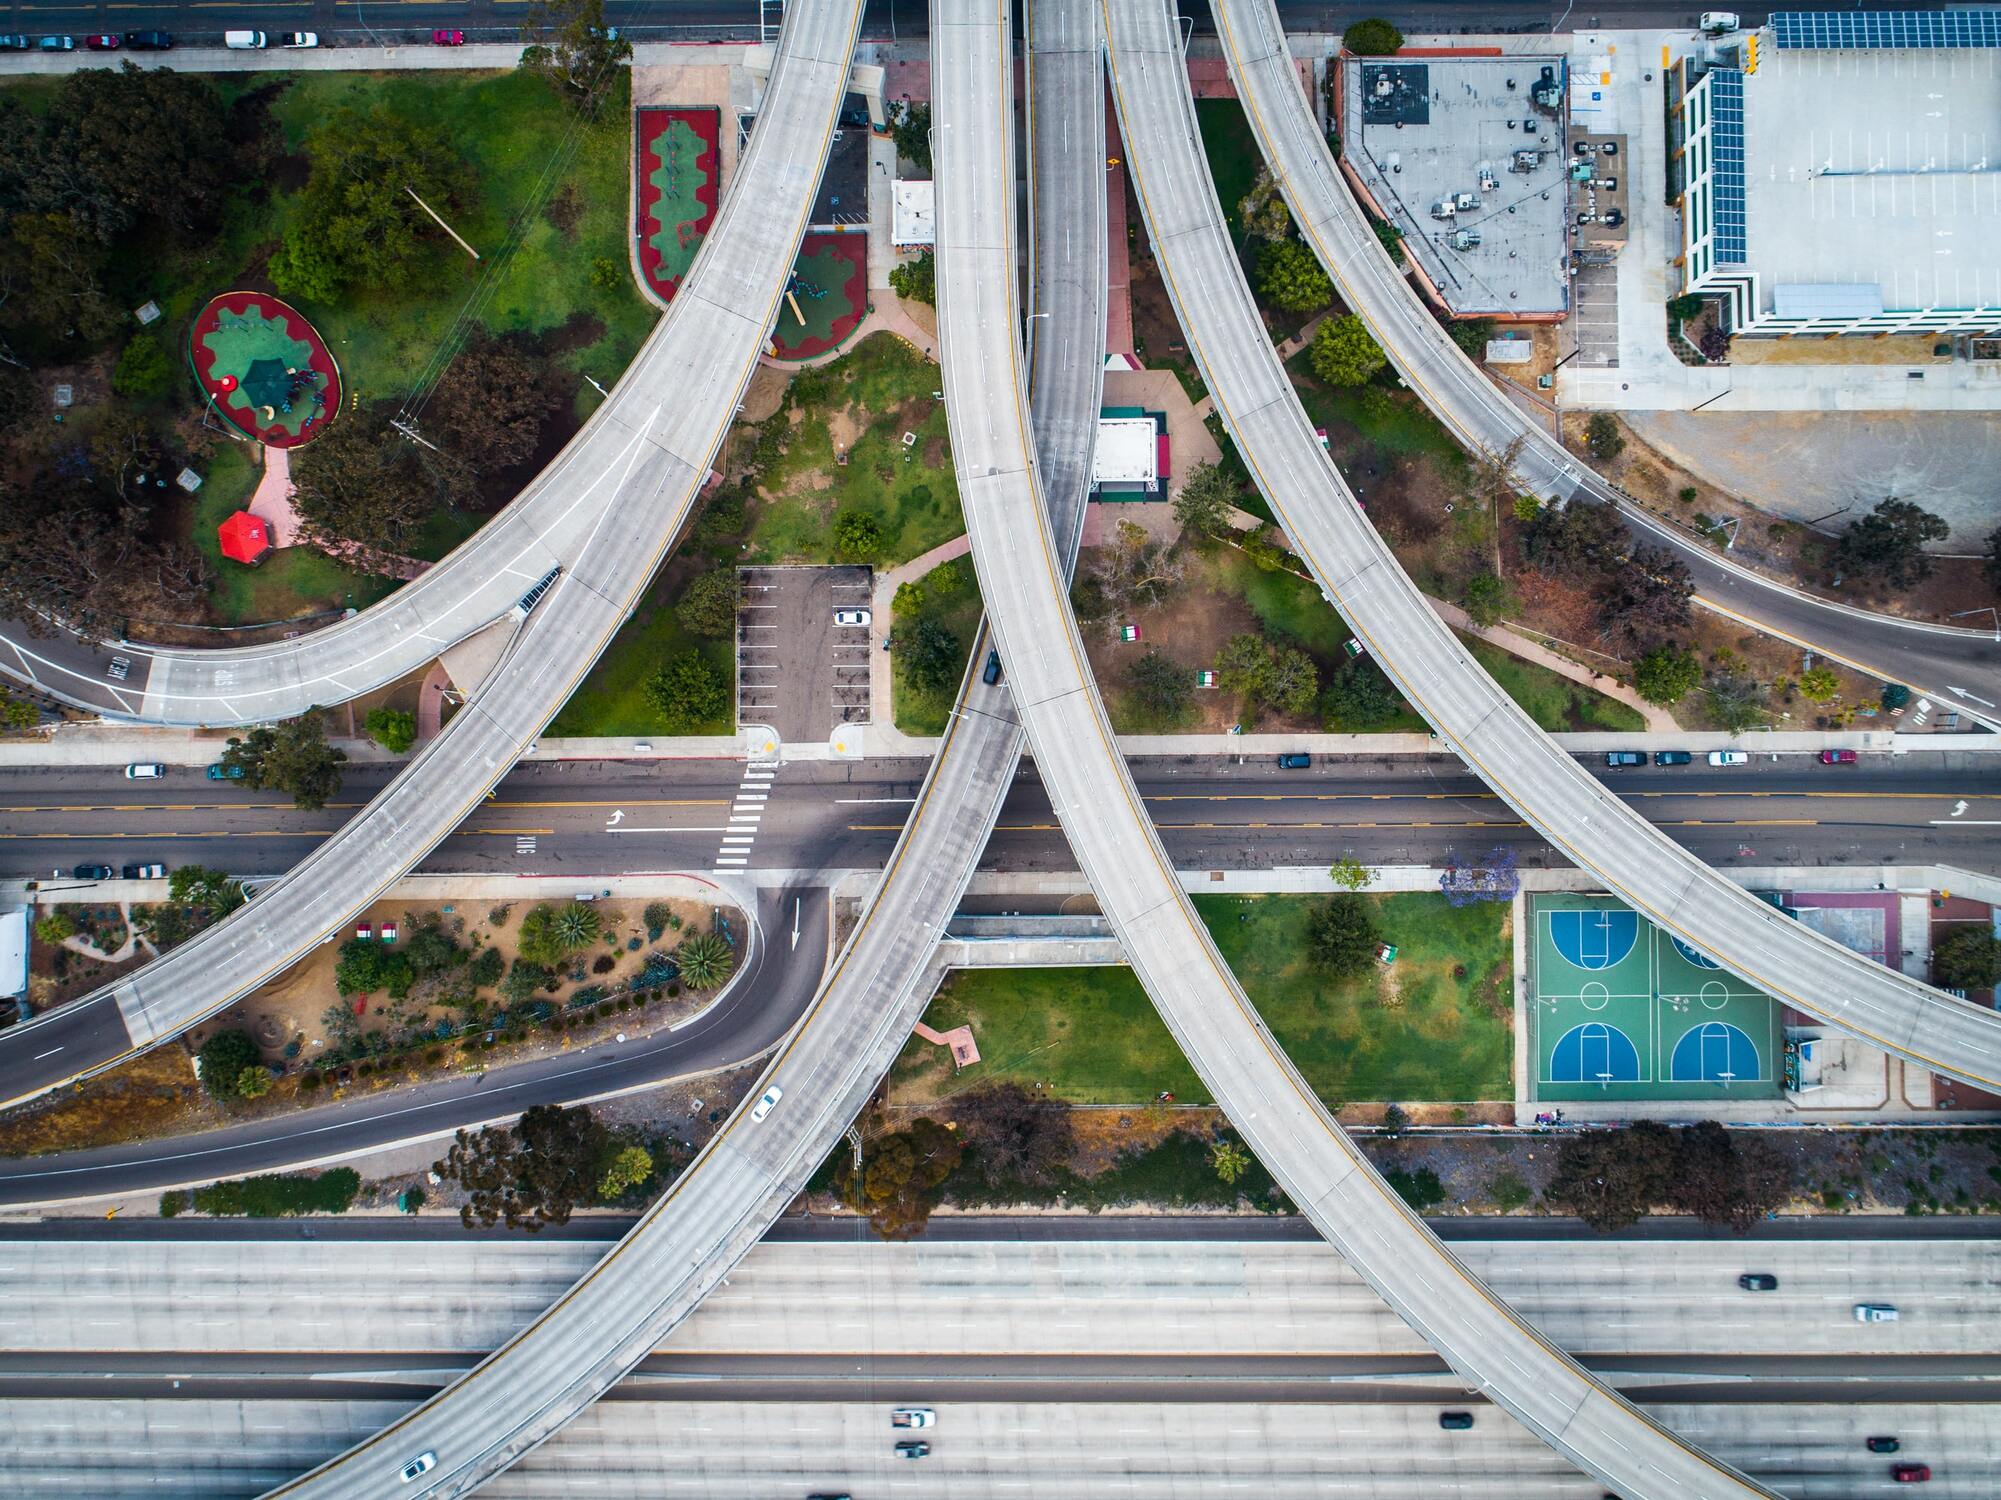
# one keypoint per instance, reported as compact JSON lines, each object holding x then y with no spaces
{"x":764,"y":1000}
{"x":612,"y":817}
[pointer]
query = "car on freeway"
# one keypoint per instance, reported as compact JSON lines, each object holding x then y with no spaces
{"x":1295,"y":760}
{"x":142,"y":872}
{"x":220,"y":772}
{"x":1882,"y":1445}
{"x":1672,"y":757}
{"x":295,"y":40}
{"x":1617,"y":758}
{"x":145,"y":770}
{"x":15,"y":42}
{"x":104,"y":41}
{"x":419,"y":1466}
{"x":1758,"y":1281}
{"x":58,"y":44}
{"x":443,"y":38}
{"x":913,"y":1450}
{"x":1875,"y":1312}
{"x":913,"y":1416}
{"x":149,"y":41}
{"x":1910,"y":1473}
{"x":1837,"y":757}
{"x":991,"y":673}
{"x":767,"y":1102}
{"x":1455,"y":1421}
{"x":91,"y":872}
{"x":851,"y":617}
{"x":1728,"y":758}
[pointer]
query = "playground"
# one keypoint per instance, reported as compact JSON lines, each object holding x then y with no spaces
{"x":1623,"y":1010}
{"x":264,"y":368}
{"x":679,"y":174}
{"x":827,"y":297}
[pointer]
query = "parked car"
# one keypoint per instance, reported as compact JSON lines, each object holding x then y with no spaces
{"x":852,"y":617}
{"x":767,"y":1102}
{"x":143,"y":872}
{"x":1758,"y":1281}
{"x":1882,"y":1445}
{"x":297,"y":39}
{"x":443,"y":38}
{"x":913,"y":1416}
{"x":149,"y":41}
{"x":1616,"y":758}
{"x":1728,"y":758}
{"x":59,"y":44}
{"x":1910,"y":1473}
{"x":145,"y":770}
{"x":1455,"y":1421}
{"x":1875,"y":1312}
{"x":91,"y":872}
{"x":220,"y":772}
{"x":243,"y":41}
{"x":1672,"y":757}
{"x":1837,"y":757}
{"x":15,"y":42}
{"x":1295,"y":760}
{"x":104,"y":41}
{"x":991,"y":673}
{"x":913,"y":1450}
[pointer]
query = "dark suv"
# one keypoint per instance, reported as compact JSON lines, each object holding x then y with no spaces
{"x":1758,"y":1281}
{"x":1616,"y":758}
{"x":149,"y":41}
{"x":1672,"y":757}
{"x":91,"y":872}
{"x":1455,"y":1421}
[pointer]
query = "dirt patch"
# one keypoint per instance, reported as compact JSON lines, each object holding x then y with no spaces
{"x":1104,"y":1135}
{"x":1895,"y":349}
{"x":844,"y":426}
{"x":579,"y":331}
{"x":765,"y":394}
{"x":1157,"y":337}
{"x":1546,"y":345}
{"x":152,"y":1095}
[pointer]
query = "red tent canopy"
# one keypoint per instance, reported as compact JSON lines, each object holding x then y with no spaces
{"x":244,"y":538}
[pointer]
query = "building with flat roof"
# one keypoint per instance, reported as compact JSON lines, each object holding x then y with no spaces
{"x":913,"y":215}
{"x":1131,"y":461}
{"x":1840,"y":172}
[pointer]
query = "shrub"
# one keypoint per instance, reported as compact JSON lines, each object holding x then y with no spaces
{"x":689,"y":693}
{"x":222,"y":1061}
{"x":857,"y":536}
{"x":1344,"y":352}
{"x":392,"y":729}
{"x":172,"y":1203}
{"x":1373,"y":37}
{"x":1290,"y":278}
{"x":56,"y":927}
{"x":705,"y":960}
{"x":281,"y":1196}
{"x":144,"y":370}
{"x":604,"y":963}
{"x":308,"y":1082}
{"x":1601,"y":436}
{"x":1420,"y":1189}
{"x":606,"y":273}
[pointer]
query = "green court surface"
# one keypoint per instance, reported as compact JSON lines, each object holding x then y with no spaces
{"x":1621,"y":1010}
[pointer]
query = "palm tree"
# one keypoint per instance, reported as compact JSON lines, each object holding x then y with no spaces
{"x":577,"y":926}
{"x":706,"y":960}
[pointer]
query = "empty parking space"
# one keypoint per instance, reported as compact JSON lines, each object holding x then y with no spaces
{"x":804,"y":649}
{"x":1594,"y":316}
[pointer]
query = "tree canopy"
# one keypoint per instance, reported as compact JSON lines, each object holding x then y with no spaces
{"x":1886,"y":548}
{"x":222,"y":1059}
{"x":570,"y":46}
{"x":1341,"y":934}
{"x":1016,"y":1135}
{"x":1344,"y":352}
{"x":707,"y":606}
{"x":1290,"y":277}
{"x":911,"y":128}
{"x":690,"y":693}
{"x":931,"y":656}
{"x":293,"y":756}
{"x":360,"y":483}
{"x":1373,"y":37}
{"x":1263,"y":675}
{"x":1359,"y":699}
{"x":487,"y":411}
{"x":1967,"y":958}
{"x":1161,"y":687}
{"x":916,"y":279}
{"x":534,"y":1174}
{"x":1666,"y":675}
{"x":394,"y":729}
{"x":1203,"y":502}
{"x":857,"y":536}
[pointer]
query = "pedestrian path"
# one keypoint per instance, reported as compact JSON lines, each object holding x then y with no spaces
{"x":745,"y":813}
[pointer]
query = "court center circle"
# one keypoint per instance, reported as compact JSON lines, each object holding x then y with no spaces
{"x":1594,"y":996}
{"x":1714,"y":995}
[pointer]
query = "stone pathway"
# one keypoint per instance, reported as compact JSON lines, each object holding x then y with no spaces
{"x":965,"y":1052}
{"x":272,"y":504}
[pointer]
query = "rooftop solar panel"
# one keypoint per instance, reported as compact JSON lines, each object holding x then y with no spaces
{"x":1879,"y":30}
{"x":1726,"y":104}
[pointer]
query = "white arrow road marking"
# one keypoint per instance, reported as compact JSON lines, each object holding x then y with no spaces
{"x":617,"y":817}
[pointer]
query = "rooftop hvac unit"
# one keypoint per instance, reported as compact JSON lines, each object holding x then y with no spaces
{"x":1488,"y":181}
{"x":1443,"y":209}
{"x":1464,"y":202}
{"x":1465,"y":239}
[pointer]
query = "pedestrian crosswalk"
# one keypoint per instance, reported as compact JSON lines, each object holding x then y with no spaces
{"x":746,"y":812}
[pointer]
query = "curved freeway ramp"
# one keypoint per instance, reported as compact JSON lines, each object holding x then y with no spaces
{"x":631,"y":485}
{"x":1362,"y":578}
{"x":752,"y":1169}
{"x":1933,"y":658}
{"x":1022,"y":579}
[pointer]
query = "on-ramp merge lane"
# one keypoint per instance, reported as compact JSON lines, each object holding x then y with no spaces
{"x":1022,"y":582}
{"x":1363,"y":579}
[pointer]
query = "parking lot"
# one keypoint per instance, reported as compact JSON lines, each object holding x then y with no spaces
{"x":799,"y":673}
{"x":1594,"y":317}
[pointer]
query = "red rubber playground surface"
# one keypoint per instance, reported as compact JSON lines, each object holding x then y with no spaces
{"x":265,"y":368}
{"x":829,"y":290}
{"x":678,"y":166}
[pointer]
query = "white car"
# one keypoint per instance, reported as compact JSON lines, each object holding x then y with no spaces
{"x":145,"y":770}
{"x":1875,"y":1312}
{"x":913,"y":1416}
{"x":296,"y":40}
{"x":767,"y":1103}
{"x":859,"y":617}
{"x":423,"y":1463}
{"x":1728,"y":758}
{"x":1717,"y":22}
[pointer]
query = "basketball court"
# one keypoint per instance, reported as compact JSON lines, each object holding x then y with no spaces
{"x":1624,"y":1011}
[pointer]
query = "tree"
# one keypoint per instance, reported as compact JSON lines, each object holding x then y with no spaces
{"x":901,"y":1176}
{"x":1967,"y":958}
{"x":571,"y":48}
{"x":1613,"y":1178}
{"x":916,"y":279}
{"x":394,"y":729}
{"x":292,"y":756}
{"x":1290,"y":277}
{"x":533,"y":1174}
{"x":1820,"y":685}
{"x":1132,"y":571}
{"x":1244,"y":668}
{"x":707,"y":606}
{"x":1488,"y":599}
{"x":1344,"y":352}
{"x":1685,"y":308}
{"x":359,"y":483}
{"x":1396,"y":1121}
{"x":358,"y":221}
{"x":630,"y":1167}
{"x":1230,"y":1159}
{"x":366,"y":966}
{"x":1491,"y":877}
{"x":550,"y":934}
{"x":1602,"y":437}
{"x":488,"y":409}
{"x":1644,"y":603}
{"x":143,"y":371}
{"x":1161,"y":688}
{"x":524,"y":981}
{"x":705,"y":960}
{"x":57,"y":927}
{"x":1887,"y":547}
{"x":689,"y":693}
{"x":113,"y":178}
{"x":1359,"y":699}
{"x":1373,"y":37}
{"x":931,"y":656}
{"x":213,"y":891}
{"x":1341,"y":935}
{"x":1736,"y":702}
{"x":577,"y":925}
{"x":1262,"y":210}
{"x":1721,"y":1181}
{"x":1350,"y":874}
{"x":1016,"y":1135}
{"x":221,"y":1061}
{"x":1582,"y":540}
{"x":1203,"y":503}
{"x":911,"y":128}
{"x":1294,"y":684}
{"x":254,"y":1082}
{"x":857,"y":536}
{"x":1666,"y":675}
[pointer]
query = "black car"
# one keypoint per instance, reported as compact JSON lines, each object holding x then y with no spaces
{"x":1758,"y":1281}
{"x":1616,"y":758}
{"x":1455,"y":1421}
{"x":992,"y":673}
{"x":1883,"y":1445}
{"x":149,"y":41}
{"x":1672,"y":757}
{"x":913,"y":1450}
{"x":91,"y":872}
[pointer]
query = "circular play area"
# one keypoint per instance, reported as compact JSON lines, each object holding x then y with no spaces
{"x":264,"y":369}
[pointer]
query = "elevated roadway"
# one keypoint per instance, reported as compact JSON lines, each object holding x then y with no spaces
{"x":629,"y":481}
{"x":1219,"y":1032}
{"x":1362,"y":578}
{"x":587,"y":1339}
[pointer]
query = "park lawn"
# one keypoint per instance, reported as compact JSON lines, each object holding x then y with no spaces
{"x":1233,"y":154}
{"x":611,"y":700}
{"x":1399,"y":427}
{"x":951,"y":599}
{"x":1093,"y":1037}
{"x":1556,"y":703}
{"x":872,"y":396}
{"x":287,"y":583}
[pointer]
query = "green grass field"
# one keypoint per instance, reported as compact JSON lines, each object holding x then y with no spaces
{"x":1555,"y":703}
{"x":1093,"y":1036}
{"x":951,"y":599}
{"x":1232,"y":151}
{"x":611,"y":700}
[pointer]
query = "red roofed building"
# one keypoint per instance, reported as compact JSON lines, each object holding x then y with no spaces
{"x":244,"y":538}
